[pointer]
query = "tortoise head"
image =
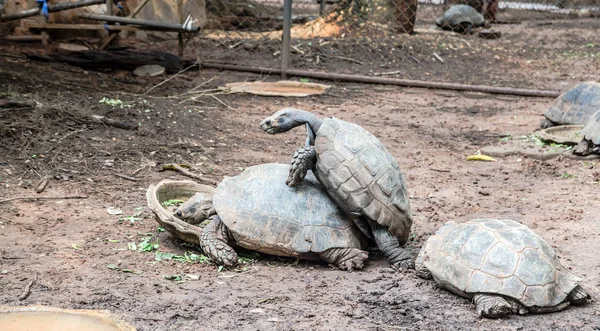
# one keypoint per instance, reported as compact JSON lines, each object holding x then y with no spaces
{"x":196,"y":209}
{"x":282,"y":121}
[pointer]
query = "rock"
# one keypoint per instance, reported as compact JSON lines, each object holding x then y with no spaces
{"x":151,"y":70}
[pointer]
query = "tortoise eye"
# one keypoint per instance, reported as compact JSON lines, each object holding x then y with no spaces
{"x":280,"y":120}
{"x":192,"y":210}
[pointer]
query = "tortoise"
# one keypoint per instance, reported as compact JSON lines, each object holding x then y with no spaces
{"x":590,"y":143}
{"x":502,"y":265}
{"x":574,"y":107}
{"x":257,"y":211}
{"x":358,"y":172}
{"x":461,"y":19}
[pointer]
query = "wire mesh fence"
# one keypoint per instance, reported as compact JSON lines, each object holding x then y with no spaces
{"x":521,"y":43}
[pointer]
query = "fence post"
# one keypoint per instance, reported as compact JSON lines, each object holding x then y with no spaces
{"x":406,"y":14}
{"x":180,"y":34}
{"x":285,"y":43}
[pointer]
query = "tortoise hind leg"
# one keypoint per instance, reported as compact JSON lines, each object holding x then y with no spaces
{"x":578,"y":296}
{"x":492,"y":306}
{"x":303,"y":160}
{"x":399,"y":257}
{"x":213,"y":240}
{"x":421,"y":270}
{"x":345,"y":258}
{"x":583,"y":148}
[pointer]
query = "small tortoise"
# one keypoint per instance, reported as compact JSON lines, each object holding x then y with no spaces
{"x":358,"y":172}
{"x":257,"y":211}
{"x":573,"y":107}
{"x":502,"y":265}
{"x":461,"y":19}
{"x":590,"y":143}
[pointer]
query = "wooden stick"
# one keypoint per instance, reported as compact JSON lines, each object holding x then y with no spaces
{"x":46,"y":198}
{"x":177,"y":167}
{"x":27,"y":289}
{"x":115,"y":123}
{"x":388,"y":81}
{"x":133,"y":179}
{"x":13,"y":103}
{"x":111,"y":37}
{"x":42,"y":185}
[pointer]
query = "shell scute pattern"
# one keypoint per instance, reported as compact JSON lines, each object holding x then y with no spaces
{"x":282,"y":219}
{"x":362,"y":176}
{"x":577,"y":105}
{"x":497,"y":256}
{"x":591,"y":131}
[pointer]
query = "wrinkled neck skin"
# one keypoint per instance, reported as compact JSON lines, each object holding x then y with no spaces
{"x":303,"y":117}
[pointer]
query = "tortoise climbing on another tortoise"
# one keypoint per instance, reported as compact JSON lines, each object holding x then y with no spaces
{"x":461,"y":19}
{"x":574,"y":107}
{"x":502,"y":265}
{"x":257,"y":211}
{"x":358,"y":172}
{"x":590,"y":143}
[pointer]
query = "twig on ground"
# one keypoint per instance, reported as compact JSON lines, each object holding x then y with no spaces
{"x":386,"y":73}
{"x":115,"y":123}
{"x":175,"y":75}
{"x":133,"y":179}
{"x":341,"y":58}
{"x":46,"y":198}
{"x":42,"y":185}
{"x":439,"y":170}
{"x":27,"y":289}
{"x":177,"y":167}
{"x":14,"y":103}
{"x":437,"y":57}
{"x":223,"y":103}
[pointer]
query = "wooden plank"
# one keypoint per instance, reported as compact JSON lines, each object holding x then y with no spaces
{"x":61,"y":26}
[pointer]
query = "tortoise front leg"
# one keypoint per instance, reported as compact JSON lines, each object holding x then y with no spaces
{"x":399,"y":257}
{"x":345,"y":258}
{"x":583,"y":148}
{"x":213,"y":240}
{"x":303,"y":160}
{"x":494,"y":306}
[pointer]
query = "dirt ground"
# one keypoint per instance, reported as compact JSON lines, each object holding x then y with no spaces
{"x":83,"y":258}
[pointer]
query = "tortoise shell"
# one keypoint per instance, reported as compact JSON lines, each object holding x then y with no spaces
{"x":361,"y":176}
{"x":497,"y":256}
{"x":264,"y":214}
{"x":457,"y":15}
{"x":591,"y":131}
{"x":576,"y":106}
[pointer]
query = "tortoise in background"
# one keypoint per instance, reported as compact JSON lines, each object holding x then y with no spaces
{"x":502,"y":265}
{"x":461,"y":19}
{"x":257,"y":211}
{"x":358,"y":172}
{"x":574,"y":107}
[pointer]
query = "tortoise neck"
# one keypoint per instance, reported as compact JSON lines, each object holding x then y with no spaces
{"x":305,"y":117}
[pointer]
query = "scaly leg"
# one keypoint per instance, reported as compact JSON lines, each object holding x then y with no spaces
{"x":420,"y":270}
{"x":399,"y":257}
{"x":491,"y":306}
{"x":213,"y":240}
{"x":303,"y":160}
{"x":583,"y":148}
{"x":578,"y":296}
{"x":345,"y":258}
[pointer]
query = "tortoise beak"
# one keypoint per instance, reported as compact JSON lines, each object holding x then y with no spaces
{"x":267,"y":126}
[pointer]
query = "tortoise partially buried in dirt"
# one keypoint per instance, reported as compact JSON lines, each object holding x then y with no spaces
{"x":574,"y":107}
{"x":257,"y":211}
{"x":461,"y":19}
{"x":358,"y":172}
{"x":590,"y":143}
{"x":502,"y":265}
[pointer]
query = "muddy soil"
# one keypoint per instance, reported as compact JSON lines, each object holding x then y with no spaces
{"x":84,"y":257}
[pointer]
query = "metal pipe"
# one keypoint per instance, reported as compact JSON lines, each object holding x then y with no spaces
{"x":51,"y":8}
{"x":133,"y":21}
{"x":389,"y":81}
{"x":285,"y":47}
